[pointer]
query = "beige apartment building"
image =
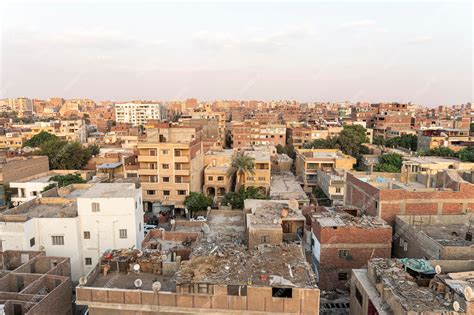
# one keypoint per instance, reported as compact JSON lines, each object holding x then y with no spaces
{"x":308,"y":161}
{"x":217,"y":177}
{"x":170,"y":165}
{"x":261,"y":176}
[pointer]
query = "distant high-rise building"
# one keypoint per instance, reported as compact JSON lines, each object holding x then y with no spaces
{"x":139,"y":114}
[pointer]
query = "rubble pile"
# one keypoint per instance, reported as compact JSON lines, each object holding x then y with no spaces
{"x":233,"y":264}
{"x":409,"y":291}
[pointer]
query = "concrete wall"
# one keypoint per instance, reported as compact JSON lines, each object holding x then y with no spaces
{"x":257,"y":300}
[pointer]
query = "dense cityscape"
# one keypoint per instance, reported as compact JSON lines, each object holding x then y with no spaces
{"x":231,"y":206}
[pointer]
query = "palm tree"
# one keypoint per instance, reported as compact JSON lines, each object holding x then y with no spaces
{"x":242,"y":164}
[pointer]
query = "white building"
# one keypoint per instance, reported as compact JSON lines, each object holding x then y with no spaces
{"x":80,"y":222}
{"x":138,"y":114}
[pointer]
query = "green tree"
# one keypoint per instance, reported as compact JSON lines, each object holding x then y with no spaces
{"x":39,"y":139}
{"x":68,"y":179}
{"x":241,"y":165}
{"x":197,"y":201}
{"x":466,"y":154}
{"x":390,"y":162}
{"x":350,"y":139}
{"x":236,"y":199}
{"x":378,"y":140}
{"x":65,"y":155}
{"x":409,"y":142}
{"x":94,"y":149}
{"x":471,"y":127}
{"x":441,"y":151}
{"x":319,"y":144}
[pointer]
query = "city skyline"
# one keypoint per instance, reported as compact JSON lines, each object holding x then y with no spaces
{"x":310,"y":52}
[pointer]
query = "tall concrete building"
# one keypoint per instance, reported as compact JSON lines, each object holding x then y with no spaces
{"x":138,"y":114}
{"x":171,"y":163}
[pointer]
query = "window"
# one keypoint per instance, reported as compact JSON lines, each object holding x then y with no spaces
{"x":166,"y":192}
{"x":88,"y":261}
{"x":166,"y":179}
{"x":181,"y":192}
{"x":95,"y":207}
{"x":139,"y":227}
{"x":87,"y":235}
{"x":32,"y":242}
{"x":376,"y":205}
{"x":358,"y":296}
{"x":401,"y":242}
{"x":123,"y":233}
{"x":282,"y":292}
{"x":264,"y":238}
{"x":164,"y":151}
{"x":342,"y":276}
{"x":343,"y":253}
{"x":57,"y":240}
{"x":237,"y":290}
{"x":338,"y":190}
{"x":165,"y":166}
{"x":220,"y":178}
{"x":261,"y":178}
{"x":152,"y":152}
{"x":152,"y":166}
{"x":250,"y":178}
{"x":153,"y":179}
{"x":405,"y":246}
{"x":210,"y":178}
{"x":151,"y":192}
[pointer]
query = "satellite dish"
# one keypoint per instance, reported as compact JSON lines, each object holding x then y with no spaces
{"x":468,"y":293}
{"x":156,"y":286}
{"x":139,"y":253}
{"x":136,"y":267}
{"x":82,"y":280}
{"x":438,"y":269}
{"x":456,"y":306}
{"x":138,"y":283}
{"x":164,"y":257}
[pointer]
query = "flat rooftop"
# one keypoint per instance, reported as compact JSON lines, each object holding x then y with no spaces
{"x":259,"y":156}
{"x":431,"y":160}
{"x":233,"y":264}
{"x":447,"y":230}
{"x":407,"y":291}
{"x":284,"y":186}
{"x":99,"y":190}
{"x":126,"y":281}
{"x":41,"y":208}
{"x":330,"y":218}
{"x":270,"y":214}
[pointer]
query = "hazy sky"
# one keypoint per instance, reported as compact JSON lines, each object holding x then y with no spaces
{"x":119,"y":50}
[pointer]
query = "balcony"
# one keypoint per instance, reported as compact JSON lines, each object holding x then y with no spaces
{"x":147,"y":158}
{"x":181,"y":159}
{"x":182,"y":172}
{"x":145,"y":171}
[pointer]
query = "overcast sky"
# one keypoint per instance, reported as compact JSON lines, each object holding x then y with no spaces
{"x":121,"y":50}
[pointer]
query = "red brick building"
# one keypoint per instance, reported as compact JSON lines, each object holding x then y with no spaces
{"x":341,"y":242}
{"x":387,"y":195}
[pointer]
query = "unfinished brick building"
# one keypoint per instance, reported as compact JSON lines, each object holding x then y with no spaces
{"x":221,"y":276}
{"x":387,"y":194}
{"x":31,"y":283}
{"x":341,"y":242}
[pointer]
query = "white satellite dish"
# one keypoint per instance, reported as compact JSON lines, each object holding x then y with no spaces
{"x":156,"y":286}
{"x":438,"y":269}
{"x":82,"y":280}
{"x":138,"y":283}
{"x":456,"y":306}
{"x":136,"y":267}
{"x":468,"y":293}
{"x":164,"y":257}
{"x":139,"y":253}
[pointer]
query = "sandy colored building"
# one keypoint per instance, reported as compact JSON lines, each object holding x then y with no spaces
{"x":171,"y":164}
{"x":261,"y":176}
{"x":308,"y":161}
{"x":455,"y":139}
